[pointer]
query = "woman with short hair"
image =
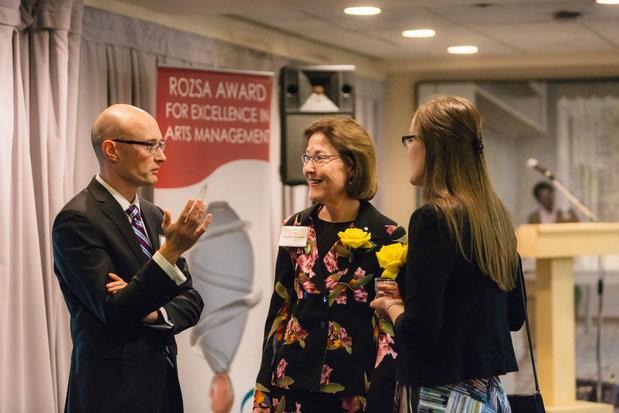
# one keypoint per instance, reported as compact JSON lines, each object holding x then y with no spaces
{"x":324,"y":349}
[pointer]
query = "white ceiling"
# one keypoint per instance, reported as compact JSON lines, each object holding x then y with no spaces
{"x":503,"y":28}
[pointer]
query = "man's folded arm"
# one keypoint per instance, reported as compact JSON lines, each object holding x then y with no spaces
{"x":83,"y":263}
{"x":184,"y":310}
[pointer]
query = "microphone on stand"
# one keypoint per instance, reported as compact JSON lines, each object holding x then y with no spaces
{"x":534,"y":164}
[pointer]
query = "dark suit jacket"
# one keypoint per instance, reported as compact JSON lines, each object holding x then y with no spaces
{"x":118,"y":364}
{"x":457,"y":321}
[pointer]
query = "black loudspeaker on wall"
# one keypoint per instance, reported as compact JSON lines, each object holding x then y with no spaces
{"x":308,"y":93}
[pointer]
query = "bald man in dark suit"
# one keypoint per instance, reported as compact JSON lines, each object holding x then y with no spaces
{"x":127,"y":294}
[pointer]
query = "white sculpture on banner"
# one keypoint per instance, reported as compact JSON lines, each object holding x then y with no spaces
{"x":222,"y":267}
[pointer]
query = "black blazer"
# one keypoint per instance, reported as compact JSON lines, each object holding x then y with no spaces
{"x":456,"y":324}
{"x":118,"y":364}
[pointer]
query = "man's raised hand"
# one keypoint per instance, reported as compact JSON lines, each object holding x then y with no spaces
{"x":185,"y":231}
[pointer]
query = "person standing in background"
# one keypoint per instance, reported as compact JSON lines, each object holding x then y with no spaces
{"x":544,"y":194}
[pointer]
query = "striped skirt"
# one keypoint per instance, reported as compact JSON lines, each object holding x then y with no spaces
{"x":470,"y":396}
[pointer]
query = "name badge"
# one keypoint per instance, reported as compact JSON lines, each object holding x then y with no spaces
{"x":293,"y":236}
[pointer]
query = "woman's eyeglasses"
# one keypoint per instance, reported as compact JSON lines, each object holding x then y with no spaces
{"x":318,"y":159}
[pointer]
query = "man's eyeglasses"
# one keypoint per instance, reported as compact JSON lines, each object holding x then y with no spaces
{"x":153,"y":146}
{"x":407,"y":140}
{"x":318,"y":159}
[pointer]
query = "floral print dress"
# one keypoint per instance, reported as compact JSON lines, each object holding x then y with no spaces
{"x":324,"y":348}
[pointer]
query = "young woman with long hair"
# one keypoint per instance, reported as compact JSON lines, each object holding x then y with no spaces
{"x":462,"y":277}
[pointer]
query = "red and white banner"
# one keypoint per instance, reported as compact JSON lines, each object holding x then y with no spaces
{"x":216,"y":125}
{"x":209,"y":118}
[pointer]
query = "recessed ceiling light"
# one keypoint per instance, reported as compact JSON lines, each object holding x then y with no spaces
{"x":468,"y":49}
{"x":419,"y":33}
{"x":607,"y":1}
{"x":362,"y":11}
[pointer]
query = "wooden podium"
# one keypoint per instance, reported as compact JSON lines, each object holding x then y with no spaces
{"x":554,"y":246}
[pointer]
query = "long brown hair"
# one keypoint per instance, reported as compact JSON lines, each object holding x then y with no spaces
{"x":456,"y":181}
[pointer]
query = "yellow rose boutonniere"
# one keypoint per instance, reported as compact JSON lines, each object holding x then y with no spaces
{"x":355,"y":238}
{"x":391,"y":258}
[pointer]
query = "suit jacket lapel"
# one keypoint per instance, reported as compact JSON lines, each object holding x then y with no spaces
{"x":364,"y":221}
{"x":114,"y":212}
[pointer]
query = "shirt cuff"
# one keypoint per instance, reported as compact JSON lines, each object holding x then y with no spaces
{"x":172,"y":271}
{"x":166,"y":320}
{"x":163,"y":323}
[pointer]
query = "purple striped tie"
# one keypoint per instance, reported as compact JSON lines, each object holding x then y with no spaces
{"x":142,"y":238}
{"x":139,"y":230}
